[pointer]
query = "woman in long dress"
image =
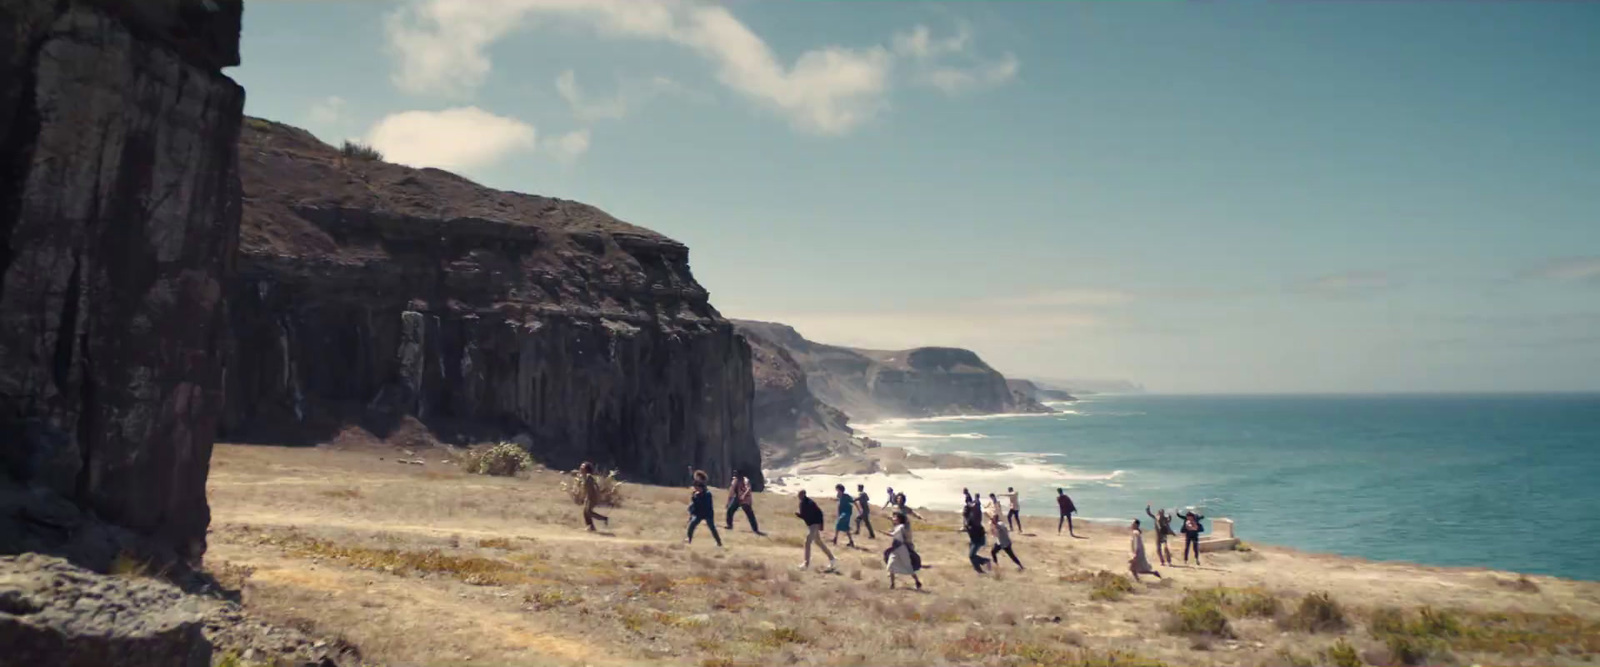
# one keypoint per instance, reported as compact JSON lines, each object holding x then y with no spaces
{"x":1138,"y":564}
{"x":847,"y":506}
{"x":901,"y":560}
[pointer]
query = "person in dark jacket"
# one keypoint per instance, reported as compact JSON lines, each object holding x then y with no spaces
{"x":1191,"y":535}
{"x":972,"y":524}
{"x":812,"y":515}
{"x":701,"y":509}
{"x":1064,"y":501}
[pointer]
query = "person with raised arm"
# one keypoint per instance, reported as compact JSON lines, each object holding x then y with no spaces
{"x":1163,"y":531}
{"x":1015,"y":513}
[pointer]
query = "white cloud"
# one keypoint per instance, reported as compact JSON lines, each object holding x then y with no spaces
{"x":585,"y":108}
{"x":956,"y":80}
{"x":442,"y":47}
{"x":630,"y":95}
{"x":568,"y":147}
{"x":459,"y":138}
{"x":892,"y":330}
{"x":1348,"y":284}
{"x":929,"y":54}
{"x":328,"y":110}
{"x":1567,"y":270}
{"x":919,"y":42}
{"x":1068,"y":297}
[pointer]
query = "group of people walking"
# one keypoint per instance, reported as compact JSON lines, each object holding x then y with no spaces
{"x":979,"y":520}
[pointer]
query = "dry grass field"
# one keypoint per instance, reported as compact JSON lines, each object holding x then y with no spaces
{"x":428,"y":565}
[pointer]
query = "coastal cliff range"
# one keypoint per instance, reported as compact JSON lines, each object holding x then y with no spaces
{"x":375,"y":294}
{"x":807,"y":392}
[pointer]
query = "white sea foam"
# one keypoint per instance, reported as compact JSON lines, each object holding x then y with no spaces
{"x":941,"y":488}
{"x":914,"y":435}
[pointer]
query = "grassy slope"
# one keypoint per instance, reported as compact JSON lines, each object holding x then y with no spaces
{"x":423,"y":565}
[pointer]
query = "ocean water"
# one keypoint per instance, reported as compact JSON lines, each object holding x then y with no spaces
{"x":1506,"y":482}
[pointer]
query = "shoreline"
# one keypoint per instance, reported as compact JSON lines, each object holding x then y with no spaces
{"x":940,"y":481}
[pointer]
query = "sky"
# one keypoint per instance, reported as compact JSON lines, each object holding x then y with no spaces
{"x":1203,"y":197}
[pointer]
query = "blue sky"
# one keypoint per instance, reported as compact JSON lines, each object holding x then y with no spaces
{"x":1202,"y":197}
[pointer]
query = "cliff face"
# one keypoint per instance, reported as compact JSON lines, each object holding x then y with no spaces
{"x":119,"y":211}
{"x":373,"y":292}
{"x":790,"y":423}
{"x":874,"y":384}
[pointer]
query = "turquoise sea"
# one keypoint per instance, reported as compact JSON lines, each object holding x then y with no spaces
{"x":1507,"y":482}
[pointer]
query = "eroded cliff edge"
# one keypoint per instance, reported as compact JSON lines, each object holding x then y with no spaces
{"x":370,"y":292}
{"x":871,"y":385}
{"x":119,"y":212}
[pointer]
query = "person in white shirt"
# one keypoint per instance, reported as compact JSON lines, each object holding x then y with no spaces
{"x":1015,"y":513}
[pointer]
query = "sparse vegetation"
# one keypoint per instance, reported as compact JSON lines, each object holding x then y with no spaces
{"x":1199,"y":614}
{"x":1108,"y":586}
{"x":345,"y":494}
{"x":1342,"y":654}
{"x":466,"y":569}
{"x":1317,"y":612}
{"x":356,"y":150}
{"x":544,"y":590}
{"x":503,"y":460}
{"x":1243,"y":601}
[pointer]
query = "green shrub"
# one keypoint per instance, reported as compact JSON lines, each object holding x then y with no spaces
{"x":1411,"y":650}
{"x":1200,"y":614}
{"x":1108,"y":586}
{"x":503,"y":460}
{"x":1342,"y":654}
{"x":359,"y":151}
{"x":1318,"y":612}
{"x":1386,"y":620}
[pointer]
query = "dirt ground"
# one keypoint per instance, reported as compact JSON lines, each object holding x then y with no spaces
{"x":427,"y":565}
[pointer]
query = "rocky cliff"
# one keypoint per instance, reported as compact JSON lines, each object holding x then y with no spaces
{"x":790,"y":423}
{"x":1025,"y":390}
{"x":373,"y":293}
{"x":119,"y":212}
{"x":870,"y":385}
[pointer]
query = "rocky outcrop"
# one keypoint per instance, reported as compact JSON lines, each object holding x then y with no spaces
{"x":790,"y":423}
{"x":370,"y":292}
{"x":870,"y":385}
{"x":53,"y":613}
{"x":119,"y":212}
{"x":1028,"y":390}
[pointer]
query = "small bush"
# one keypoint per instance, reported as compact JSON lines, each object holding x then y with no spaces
{"x":1342,"y":654}
{"x":1318,"y":612}
{"x":1199,"y":614}
{"x":358,"y":151}
{"x":1288,"y":658}
{"x":502,"y":460}
{"x":1243,"y":601}
{"x":1386,"y":621}
{"x":345,"y":494}
{"x":1409,"y":650}
{"x":1108,"y":586}
{"x":609,"y":487}
{"x":496,"y":543}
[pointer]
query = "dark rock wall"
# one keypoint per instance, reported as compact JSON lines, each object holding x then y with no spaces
{"x":374,"y":292}
{"x":119,"y":213}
